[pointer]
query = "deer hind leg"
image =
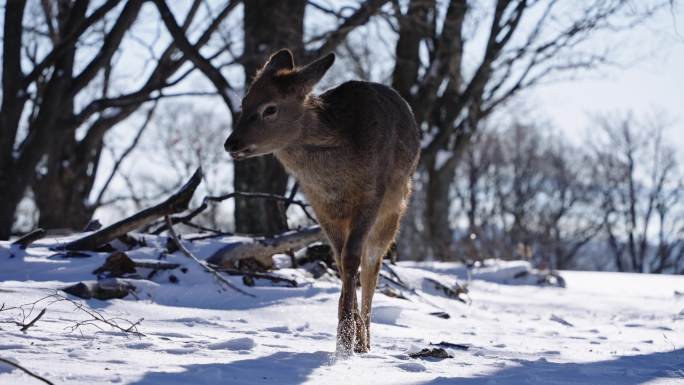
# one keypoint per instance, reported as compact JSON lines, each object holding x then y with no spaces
{"x":382,"y":235}
{"x":350,"y":323}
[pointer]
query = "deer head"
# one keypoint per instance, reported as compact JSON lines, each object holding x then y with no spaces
{"x":274,"y":106}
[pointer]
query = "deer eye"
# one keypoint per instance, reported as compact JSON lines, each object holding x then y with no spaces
{"x":269,"y":113}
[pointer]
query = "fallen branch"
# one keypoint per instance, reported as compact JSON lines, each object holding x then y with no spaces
{"x":271,"y":277}
{"x":451,"y":292}
{"x":96,"y":318}
{"x":186,"y":218}
{"x":176,"y":203}
{"x":394,"y":274}
{"x":26,"y":327}
{"x":396,"y":282}
{"x":119,"y":264}
{"x":451,"y":345}
{"x":206,"y":268}
{"x":264,"y":248}
{"x":24,"y":241}
{"x":23,"y":369}
{"x":157,"y":265}
{"x":437,"y":353}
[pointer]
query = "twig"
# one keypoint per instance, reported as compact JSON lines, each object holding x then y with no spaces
{"x":186,"y":218}
{"x":208,"y":269}
{"x":28,"y":325}
{"x":125,"y":153}
{"x":270,"y":277}
{"x":261,"y":195}
{"x":99,"y":317}
{"x":96,"y":317}
{"x":23,"y":369}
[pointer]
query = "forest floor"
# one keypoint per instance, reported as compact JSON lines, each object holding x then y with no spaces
{"x":601,"y":328}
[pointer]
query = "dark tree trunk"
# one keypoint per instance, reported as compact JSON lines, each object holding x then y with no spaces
{"x":55,"y":190}
{"x":437,"y":213}
{"x":62,"y":195}
{"x":42,"y":129}
{"x":268,"y":26}
{"x":13,"y":103}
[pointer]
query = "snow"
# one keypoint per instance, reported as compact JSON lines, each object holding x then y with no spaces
{"x":443,"y":156}
{"x":244,"y":343}
{"x":602,"y":328}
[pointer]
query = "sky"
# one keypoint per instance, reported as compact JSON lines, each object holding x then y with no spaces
{"x":648,"y":80}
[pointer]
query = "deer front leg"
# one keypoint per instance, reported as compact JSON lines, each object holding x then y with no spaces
{"x":350,"y":324}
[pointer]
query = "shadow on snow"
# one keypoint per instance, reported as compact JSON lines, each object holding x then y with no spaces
{"x":280,"y":368}
{"x":624,"y":370}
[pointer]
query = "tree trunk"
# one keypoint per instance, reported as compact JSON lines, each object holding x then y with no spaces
{"x":62,"y":195}
{"x":438,"y":204}
{"x":268,"y":26}
{"x":13,"y":102}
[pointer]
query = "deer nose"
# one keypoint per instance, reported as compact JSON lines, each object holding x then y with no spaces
{"x":231,"y":144}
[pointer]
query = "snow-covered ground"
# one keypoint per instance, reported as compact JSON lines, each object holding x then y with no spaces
{"x":602,"y":328}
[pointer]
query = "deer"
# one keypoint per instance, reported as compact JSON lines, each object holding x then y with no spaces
{"x":353,"y":150}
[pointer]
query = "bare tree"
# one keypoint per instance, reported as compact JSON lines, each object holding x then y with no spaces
{"x":566,"y":216}
{"x":641,"y":190}
{"x":450,"y":97}
{"x":56,"y":113}
{"x":524,"y":192}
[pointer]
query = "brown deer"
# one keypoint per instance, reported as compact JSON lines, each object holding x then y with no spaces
{"x":353,"y":150}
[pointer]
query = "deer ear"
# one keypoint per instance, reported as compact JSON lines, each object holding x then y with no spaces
{"x":281,"y":60}
{"x":309,"y":75}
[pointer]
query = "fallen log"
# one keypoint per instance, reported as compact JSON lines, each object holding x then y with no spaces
{"x":119,"y":264}
{"x":451,"y":292}
{"x":103,"y":290}
{"x":263,"y":248}
{"x":174,"y":204}
{"x":27,"y":239}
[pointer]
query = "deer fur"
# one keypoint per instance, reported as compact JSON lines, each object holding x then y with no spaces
{"x":353,"y":150}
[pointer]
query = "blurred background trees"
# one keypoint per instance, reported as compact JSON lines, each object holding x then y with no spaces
{"x":108,"y":105}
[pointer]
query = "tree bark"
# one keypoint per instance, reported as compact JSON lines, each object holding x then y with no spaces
{"x":268,"y":26}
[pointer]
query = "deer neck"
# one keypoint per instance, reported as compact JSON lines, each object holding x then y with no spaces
{"x":316,"y":133}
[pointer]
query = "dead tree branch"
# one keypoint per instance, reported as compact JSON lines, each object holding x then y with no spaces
{"x":174,"y":204}
{"x":24,"y":241}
